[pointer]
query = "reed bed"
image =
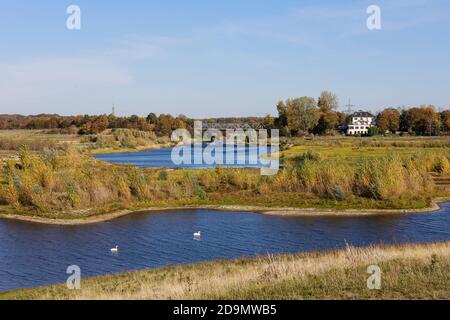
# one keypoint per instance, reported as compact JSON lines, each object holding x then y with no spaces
{"x":56,"y":182}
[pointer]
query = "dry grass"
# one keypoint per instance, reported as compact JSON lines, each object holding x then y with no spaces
{"x":410,"y":271}
{"x":53,"y":183}
{"x":121,"y":139}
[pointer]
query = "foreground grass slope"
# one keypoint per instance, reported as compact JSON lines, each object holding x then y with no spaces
{"x":408,"y":272}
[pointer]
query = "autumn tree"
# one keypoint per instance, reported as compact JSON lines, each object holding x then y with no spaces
{"x":445,"y":119}
{"x":423,"y":120}
{"x":328,"y":103}
{"x":302,"y":115}
{"x":388,"y":120}
{"x":165,"y":124}
{"x":269,"y":122}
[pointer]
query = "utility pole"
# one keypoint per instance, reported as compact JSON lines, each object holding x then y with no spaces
{"x":349,"y":107}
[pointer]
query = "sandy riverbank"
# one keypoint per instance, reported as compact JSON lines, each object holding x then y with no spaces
{"x":276,"y":211}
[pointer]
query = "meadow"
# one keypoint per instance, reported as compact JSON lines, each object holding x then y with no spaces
{"x":406,"y":271}
{"x":352,"y":148}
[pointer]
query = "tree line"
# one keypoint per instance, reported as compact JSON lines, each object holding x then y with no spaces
{"x":296,"y":117}
{"x":424,"y":120}
{"x":305,"y":115}
{"x":162,"y":125}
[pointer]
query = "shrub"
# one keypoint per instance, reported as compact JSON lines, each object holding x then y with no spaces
{"x":443,"y":165}
{"x":163,"y":175}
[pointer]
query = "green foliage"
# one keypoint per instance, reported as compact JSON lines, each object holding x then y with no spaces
{"x":303,"y":115}
{"x":162,"y":176}
{"x":373,"y":131}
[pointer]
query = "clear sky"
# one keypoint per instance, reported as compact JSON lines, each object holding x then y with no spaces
{"x":220,"y":58}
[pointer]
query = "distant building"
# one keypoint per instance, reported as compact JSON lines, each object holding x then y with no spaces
{"x":360,"y":123}
{"x":224,"y":126}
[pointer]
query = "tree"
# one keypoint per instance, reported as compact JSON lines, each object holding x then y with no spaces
{"x":327,"y":122}
{"x":165,"y":124}
{"x":423,"y":120}
{"x":445,"y":119}
{"x":432,"y":120}
{"x":269,"y":122}
{"x":302,"y":115}
{"x":389,"y":120}
{"x":328,"y":102}
{"x":152,"y":118}
{"x":373,"y":131}
{"x":282,"y":114}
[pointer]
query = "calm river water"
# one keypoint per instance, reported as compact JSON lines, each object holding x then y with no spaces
{"x":162,"y":158}
{"x":33,"y":255}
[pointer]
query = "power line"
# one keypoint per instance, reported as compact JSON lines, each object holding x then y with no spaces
{"x":349,"y":107}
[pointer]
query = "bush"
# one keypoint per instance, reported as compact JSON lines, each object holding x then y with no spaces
{"x":443,"y":165}
{"x":163,"y":175}
{"x":373,"y":131}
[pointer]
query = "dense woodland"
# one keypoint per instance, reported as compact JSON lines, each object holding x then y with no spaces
{"x":299,"y":116}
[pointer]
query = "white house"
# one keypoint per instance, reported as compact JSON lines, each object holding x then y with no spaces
{"x":360,"y":123}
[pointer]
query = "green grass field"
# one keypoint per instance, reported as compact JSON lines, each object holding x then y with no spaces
{"x":353,"y":149}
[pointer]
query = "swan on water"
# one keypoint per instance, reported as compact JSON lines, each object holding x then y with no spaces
{"x":198,"y":234}
{"x":116,"y":249}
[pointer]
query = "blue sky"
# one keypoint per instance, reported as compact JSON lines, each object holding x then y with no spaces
{"x":220,"y":58}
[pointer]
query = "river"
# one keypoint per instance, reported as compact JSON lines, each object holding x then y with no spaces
{"x":34,"y":255}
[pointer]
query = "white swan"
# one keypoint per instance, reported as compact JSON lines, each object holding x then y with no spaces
{"x":115,"y":250}
{"x":197,"y":234}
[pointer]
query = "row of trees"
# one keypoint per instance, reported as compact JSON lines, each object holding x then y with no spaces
{"x":305,"y":115}
{"x":162,"y":125}
{"x":297,"y":116}
{"x":424,"y":120}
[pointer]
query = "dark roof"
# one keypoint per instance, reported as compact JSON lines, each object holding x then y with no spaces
{"x":232,"y":126}
{"x":361,"y":114}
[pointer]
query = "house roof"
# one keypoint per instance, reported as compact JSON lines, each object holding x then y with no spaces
{"x":362,"y":114}
{"x":232,"y":126}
